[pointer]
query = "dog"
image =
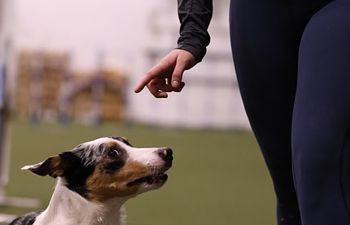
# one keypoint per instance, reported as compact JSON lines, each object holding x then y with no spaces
{"x":95,"y":179}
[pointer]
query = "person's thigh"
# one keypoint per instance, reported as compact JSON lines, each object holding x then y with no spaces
{"x":265,"y":57}
{"x":321,"y":118}
{"x":265,"y":37}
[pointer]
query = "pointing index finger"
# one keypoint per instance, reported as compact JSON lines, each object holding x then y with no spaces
{"x":153,"y":73}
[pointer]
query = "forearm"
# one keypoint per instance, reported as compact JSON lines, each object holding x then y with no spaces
{"x":194,"y":16}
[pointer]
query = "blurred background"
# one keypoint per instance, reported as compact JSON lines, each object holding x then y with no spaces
{"x":68,"y":68}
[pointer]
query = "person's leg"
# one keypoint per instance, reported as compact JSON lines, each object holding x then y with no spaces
{"x":265,"y":38}
{"x":265,"y":57}
{"x":321,"y":141}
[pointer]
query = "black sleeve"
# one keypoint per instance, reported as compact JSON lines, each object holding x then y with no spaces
{"x":194,"y":16}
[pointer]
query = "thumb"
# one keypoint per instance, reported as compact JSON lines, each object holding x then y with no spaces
{"x":176,"y":78}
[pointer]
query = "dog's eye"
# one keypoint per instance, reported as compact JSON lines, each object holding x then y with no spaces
{"x":114,"y":153}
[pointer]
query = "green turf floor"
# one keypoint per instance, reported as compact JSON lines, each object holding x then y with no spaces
{"x":218,"y":177}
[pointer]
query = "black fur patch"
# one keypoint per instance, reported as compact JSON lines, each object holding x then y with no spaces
{"x":116,"y":161}
{"x":27,"y":219}
{"x":114,"y":166}
{"x":76,"y":173}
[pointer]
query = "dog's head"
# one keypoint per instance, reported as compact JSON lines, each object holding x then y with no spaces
{"x":107,"y":168}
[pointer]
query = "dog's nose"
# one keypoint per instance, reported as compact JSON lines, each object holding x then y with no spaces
{"x":166,"y":154}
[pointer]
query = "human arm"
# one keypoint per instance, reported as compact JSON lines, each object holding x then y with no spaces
{"x":166,"y":76}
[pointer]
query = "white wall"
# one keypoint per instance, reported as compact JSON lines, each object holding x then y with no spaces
{"x":116,"y":27}
{"x":123,"y":30}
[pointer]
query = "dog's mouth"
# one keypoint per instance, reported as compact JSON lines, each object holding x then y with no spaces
{"x":152,"y":179}
{"x":157,"y":177}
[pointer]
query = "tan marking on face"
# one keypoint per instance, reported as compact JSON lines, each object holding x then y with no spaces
{"x":112,"y":144}
{"x":103,"y":186}
{"x":125,"y":139}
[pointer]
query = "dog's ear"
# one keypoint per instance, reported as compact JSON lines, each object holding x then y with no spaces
{"x":55,"y":166}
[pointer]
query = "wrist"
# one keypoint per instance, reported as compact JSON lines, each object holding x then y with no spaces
{"x":197,"y":53}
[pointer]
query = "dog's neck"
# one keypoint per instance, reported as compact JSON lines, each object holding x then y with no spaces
{"x":69,"y":208}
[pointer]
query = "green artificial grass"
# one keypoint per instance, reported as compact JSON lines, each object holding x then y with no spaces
{"x":218,"y":177}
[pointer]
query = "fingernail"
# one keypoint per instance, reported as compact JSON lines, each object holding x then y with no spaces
{"x":175,"y":83}
{"x":137,"y":90}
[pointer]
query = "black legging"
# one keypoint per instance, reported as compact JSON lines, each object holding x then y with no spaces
{"x":292,"y":59}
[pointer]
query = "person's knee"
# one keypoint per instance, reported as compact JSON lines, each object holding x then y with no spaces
{"x":327,"y":32}
{"x":315,"y":148}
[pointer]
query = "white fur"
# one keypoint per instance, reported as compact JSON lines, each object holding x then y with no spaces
{"x":69,"y":208}
{"x":31,"y":166}
{"x":146,"y":156}
{"x":98,"y":141}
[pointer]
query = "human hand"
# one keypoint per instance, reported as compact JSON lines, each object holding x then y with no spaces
{"x":166,"y":76}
